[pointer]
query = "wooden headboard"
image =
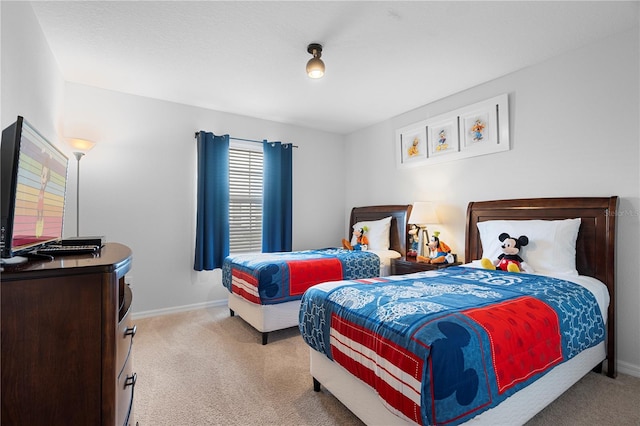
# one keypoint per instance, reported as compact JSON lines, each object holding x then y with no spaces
{"x":399,"y":216}
{"x":595,"y":246}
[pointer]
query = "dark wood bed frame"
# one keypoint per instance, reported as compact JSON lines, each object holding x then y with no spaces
{"x":595,"y":246}
{"x":399,"y":216}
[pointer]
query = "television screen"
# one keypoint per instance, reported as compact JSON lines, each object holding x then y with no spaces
{"x":34,"y":179}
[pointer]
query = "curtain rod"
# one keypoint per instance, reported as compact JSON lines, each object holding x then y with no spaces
{"x":251,"y":140}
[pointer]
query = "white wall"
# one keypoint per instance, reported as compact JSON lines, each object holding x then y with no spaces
{"x":138,"y":186}
{"x":31,"y":83}
{"x":138,"y":183}
{"x":574,"y":132}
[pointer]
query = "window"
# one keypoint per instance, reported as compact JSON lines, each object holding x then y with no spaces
{"x":245,"y":197}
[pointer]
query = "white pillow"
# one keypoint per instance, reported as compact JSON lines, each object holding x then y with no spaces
{"x":552,"y":243}
{"x":378,"y":233}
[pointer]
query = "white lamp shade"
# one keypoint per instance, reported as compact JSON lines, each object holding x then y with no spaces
{"x":80,"y":145}
{"x":423,"y":213}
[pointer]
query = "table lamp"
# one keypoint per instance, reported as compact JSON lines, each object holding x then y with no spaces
{"x":422,"y":214}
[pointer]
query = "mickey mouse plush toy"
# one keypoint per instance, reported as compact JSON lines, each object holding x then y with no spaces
{"x":510,"y":259}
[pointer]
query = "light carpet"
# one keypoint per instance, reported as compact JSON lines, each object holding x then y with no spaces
{"x":204,"y":367}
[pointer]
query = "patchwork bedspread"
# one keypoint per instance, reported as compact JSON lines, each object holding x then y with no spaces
{"x":270,"y":278}
{"x":441,"y":347}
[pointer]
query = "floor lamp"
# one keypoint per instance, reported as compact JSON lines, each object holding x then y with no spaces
{"x":422,"y":214}
{"x":80,"y":147}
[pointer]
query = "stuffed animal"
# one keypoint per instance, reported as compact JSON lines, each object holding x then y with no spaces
{"x":362,"y":242}
{"x":439,"y":252}
{"x":510,"y":259}
{"x":414,"y":239}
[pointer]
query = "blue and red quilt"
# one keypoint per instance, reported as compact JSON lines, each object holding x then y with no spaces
{"x":270,"y":278}
{"x":444,"y":346}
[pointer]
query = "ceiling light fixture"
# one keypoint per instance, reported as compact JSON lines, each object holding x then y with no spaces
{"x":315,"y":66}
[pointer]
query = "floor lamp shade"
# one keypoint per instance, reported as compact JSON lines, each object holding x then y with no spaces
{"x":80,"y":148}
{"x":81,"y":145}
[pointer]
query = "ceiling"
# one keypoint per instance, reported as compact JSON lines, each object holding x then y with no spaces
{"x":382,"y":58}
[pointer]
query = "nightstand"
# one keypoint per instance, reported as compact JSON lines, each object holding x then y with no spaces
{"x":403,"y":265}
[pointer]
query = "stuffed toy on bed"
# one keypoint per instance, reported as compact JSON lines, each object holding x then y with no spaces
{"x":362,"y":242}
{"x":510,"y":259}
{"x":439,"y":252}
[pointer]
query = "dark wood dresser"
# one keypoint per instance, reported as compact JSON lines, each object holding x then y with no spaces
{"x":67,"y":340}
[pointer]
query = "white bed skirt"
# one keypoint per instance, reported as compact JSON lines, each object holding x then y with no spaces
{"x":515,"y":410}
{"x":266,"y":318}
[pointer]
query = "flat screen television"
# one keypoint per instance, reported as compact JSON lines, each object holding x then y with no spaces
{"x":33,"y":176}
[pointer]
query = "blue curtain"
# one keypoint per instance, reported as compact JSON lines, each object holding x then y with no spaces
{"x":277,"y":197}
{"x":212,"y":223}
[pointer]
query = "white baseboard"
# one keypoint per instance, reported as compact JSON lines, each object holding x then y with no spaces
{"x":176,"y":309}
{"x":629,"y":369}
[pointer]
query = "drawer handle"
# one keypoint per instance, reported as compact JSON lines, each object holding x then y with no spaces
{"x":131,"y":380}
{"x":131,"y":331}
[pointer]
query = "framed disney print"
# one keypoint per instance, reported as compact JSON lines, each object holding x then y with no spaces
{"x":411,"y":145}
{"x":476,"y":129}
{"x":484,"y":126}
{"x":442,"y":136}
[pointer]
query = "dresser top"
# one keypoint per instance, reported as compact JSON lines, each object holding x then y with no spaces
{"x":111,"y":257}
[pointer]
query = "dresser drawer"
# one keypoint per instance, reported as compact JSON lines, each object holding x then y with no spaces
{"x":124,"y":395}
{"x":125,"y":333}
{"x":402,"y":266}
{"x":126,"y":378}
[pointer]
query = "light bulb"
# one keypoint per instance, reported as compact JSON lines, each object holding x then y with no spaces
{"x":315,"y":68}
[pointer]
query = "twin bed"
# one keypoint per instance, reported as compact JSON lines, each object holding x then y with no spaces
{"x":428,"y":348}
{"x":265,"y":288}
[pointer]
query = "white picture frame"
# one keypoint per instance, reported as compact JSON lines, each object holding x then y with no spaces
{"x":484,"y":127}
{"x":490,"y":134}
{"x":411,"y":145}
{"x":442,"y":136}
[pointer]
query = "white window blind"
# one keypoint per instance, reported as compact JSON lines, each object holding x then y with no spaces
{"x":245,"y":198}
